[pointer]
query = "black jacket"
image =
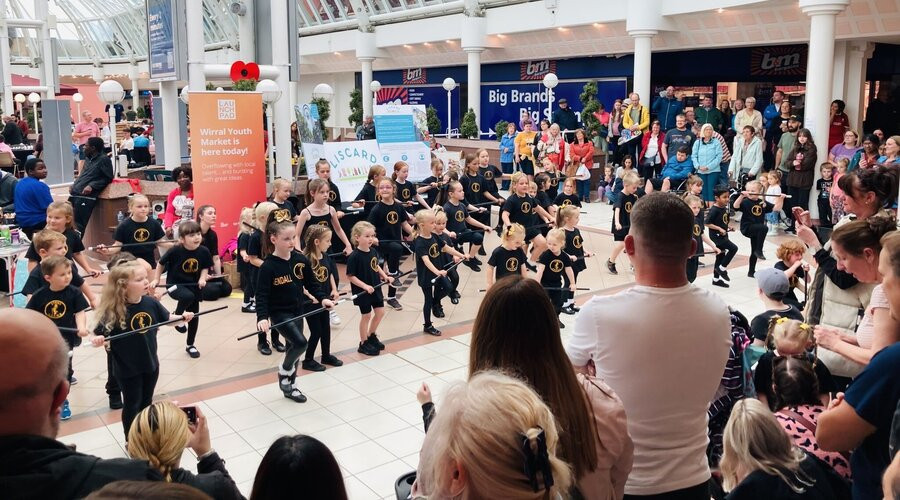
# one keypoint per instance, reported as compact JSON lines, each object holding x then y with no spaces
{"x":566,"y":119}
{"x":213,"y":479}
{"x":97,"y":173}
{"x":42,"y":468}
{"x":12,"y":134}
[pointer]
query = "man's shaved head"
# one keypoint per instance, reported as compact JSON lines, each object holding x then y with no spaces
{"x":33,"y":368}
{"x":662,"y":225}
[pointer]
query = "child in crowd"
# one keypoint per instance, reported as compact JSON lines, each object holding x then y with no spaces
{"x":567,"y":219}
{"x":138,"y":228}
{"x":283,"y":278}
{"x":678,"y":168}
{"x":520,"y":208}
{"x":246,"y":270}
{"x":390,"y":221}
{"x":64,"y":305}
{"x":281,"y":192}
{"x":407,"y":194}
{"x":790,"y":255}
{"x":187,"y":265}
{"x":60,"y":217}
{"x":753,"y":207}
{"x":694,"y":186}
{"x":365,"y":275}
{"x":125,"y":306}
{"x":508,"y":258}
{"x":823,"y":186}
{"x":789,"y":338}
{"x":605,"y":185}
{"x":700,"y":236}
{"x":255,"y":252}
{"x":217,"y":287}
{"x":773,"y":190}
{"x":431,"y":185}
{"x":544,"y":201}
{"x":48,"y":242}
{"x":368,"y":195}
{"x":459,"y":221}
{"x":477,"y":194}
{"x":717,"y":222}
{"x":440,"y":230}
{"x":315,"y":247}
{"x":551,"y":169}
{"x":837,"y":194}
{"x":428,"y":249}
{"x":569,"y":196}
{"x":552,"y":266}
{"x":491,"y":174}
{"x":621,"y":222}
{"x":773,"y":287}
{"x":323,"y":171}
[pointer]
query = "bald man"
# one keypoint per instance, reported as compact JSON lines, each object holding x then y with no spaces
{"x":33,"y":386}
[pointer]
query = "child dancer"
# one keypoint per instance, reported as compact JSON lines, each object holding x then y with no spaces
{"x":621,"y":222}
{"x":368,"y":195}
{"x":187,"y":264}
{"x":458,"y":217}
{"x":544,"y":201}
{"x":390,"y":221}
{"x":491,"y":174}
{"x":509,"y":258}
{"x":520,"y":208}
{"x":773,"y":190}
{"x":366,"y":275}
{"x":440,"y":231}
{"x":315,"y":244}
{"x":138,"y":228}
{"x":281,"y":191}
{"x":753,"y":225}
{"x":64,"y":305}
{"x":48,"y":242}
{"x":431,"y":185}
{"x":717,"y":222}
{"x":323,"y":170}
{"x":428,"y":250}
{"x":125,"y":306}
{"x":218,"y":287}
{"x":552,"y":266}
{"x":406,"y":190}
{"x":823,"y":186}
{"x":552,"y":171}
{"x":567,"y":219}
{"x":280,"y":296}
{"x":568,"y":196}
{"x":255,"y":251}
{"x":790,"y":255}
{"x":247,"y":271}
{"x":700,"y":236}
{"x":475,"y":187}
{"x":60,"y":216}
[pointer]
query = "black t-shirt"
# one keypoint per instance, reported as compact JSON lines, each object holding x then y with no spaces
{"x":136,"y":354}
{"x":676,"y":138}
{"x":554,"y":184}
{"x":321,"y":273}
{"x":575,"y":248}
{"x":254,"y":244}
{"x":759,"y":326}
{"x":211,"y":243}
{"x":760,"y":484}
{"x":456,"y":217}
{"x":625,"y":204}
{"x":762,"y":377}
{"x":506,"y":262}
{"x":430,"y":247}
{"x":367,"y":193}
{"x":320,"y":220}
{"x":60,"y":306}
{"x":73,"y":242}
{"x":36,"y":280}
{"x":491,"y":173}
{"x":445,"y":257}
{"x":363,"y":265}
{"x":285,"y":212}
{"x":520,"y":209}
{"x":242,"y":244}
{"x":698,"y":233}
{"x":334,"y":196}
{"x":563,"y":199}
{"x":754,"y":212}
{"x":718,"y":217}
{"x":794,"y":280}
{"x":432,"y":193}
{"x":388,"y":220}
{"x":185,"y":266}
{"x":824,"y":187}
{"x":473,"y":186}
{"x":406,"y":191}
{"x":554,"y":268}
{"x":544,"y":200}
{"x":280,"y":283}
{"x":130,"y":231}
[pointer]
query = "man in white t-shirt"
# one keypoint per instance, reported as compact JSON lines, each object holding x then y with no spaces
{"x":662,"y":346}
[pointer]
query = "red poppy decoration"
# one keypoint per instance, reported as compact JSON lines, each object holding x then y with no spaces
{"x":244,"y":71}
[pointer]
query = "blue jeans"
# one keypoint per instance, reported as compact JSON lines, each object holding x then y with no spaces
{"x":772,"y":217}
{"x":723,"y":173}
{"x":507,"y":168}
{"x":584,"y":189}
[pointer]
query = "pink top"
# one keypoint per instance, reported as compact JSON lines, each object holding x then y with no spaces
{"x":4,"y":148}
{"x":91,"y":127}
{"x":806,"y":438}
{"x":865,"y":332}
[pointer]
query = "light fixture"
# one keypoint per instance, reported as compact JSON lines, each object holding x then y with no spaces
{"x":112,"y":93}
{"x":550,"y":81}
{"x":20,"y":98}
{"x":501,"y":36}
{"x":184,"y":94}
{"x":720,"y":10}
{"x":77,"y":97}
{"x":324,"y":91}
{"x":408,"y":46}
{"x":220,"y":89}
{"x":449,"y":84}
{"x":337,"y":53}
{"x":450,"y":41}
{"x":598,"y":25}
{"x":271,"y":92}
{"x":426,"y":44}
{"x":375,"y":86}
{"x":34,"y":98}
{"x":562,"y":29}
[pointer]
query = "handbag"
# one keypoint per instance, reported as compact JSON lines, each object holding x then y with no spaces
{"x":571,"y":169}
{"x":582,"y":173}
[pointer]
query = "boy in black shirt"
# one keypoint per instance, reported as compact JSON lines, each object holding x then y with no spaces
{"x":823,"y":186}
{"x":46,"y":243}
{"x":621,"y":222}
{"x":188,"y":266}
{"x":699,"y":234}
{"x":552,"y":264}
{"x":754,"y":207}
{"x":717,"y":222}
{"x":391,"y":222}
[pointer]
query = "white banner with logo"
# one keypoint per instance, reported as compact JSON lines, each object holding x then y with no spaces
{"x":350,"y":162}
{"x":401,"y":131}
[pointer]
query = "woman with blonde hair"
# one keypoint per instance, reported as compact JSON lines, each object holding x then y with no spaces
{"x":493,"y":438}
{"x":759,"y":460}
{"x":159,"y":435}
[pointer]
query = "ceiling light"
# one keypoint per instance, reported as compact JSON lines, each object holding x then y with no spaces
{"x":598,"y":25}
{"x":562,"y":29}
{"x":408,"y":46}
{"x":720,"y":10}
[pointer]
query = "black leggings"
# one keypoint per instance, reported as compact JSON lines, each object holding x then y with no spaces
{"x":293,"y":334}
{"x":248,"y":283}
{"x":319,"y":329}
{"x":392,"y":251}
{"x":692,"y":264}
{"x":137,"y":394}
{"x":216,"y":289}
{"x":188,"y":300}
{"x":729,"y":250}
{"x":570,"y":295}
{"x":471,"y":237}
{"x":112,"y":383}
{"x":433,"y":294}
{"x":757,"y":235}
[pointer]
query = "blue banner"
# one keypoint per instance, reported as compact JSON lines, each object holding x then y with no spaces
{"x":427,"y":96}
{"x":161,"y":40}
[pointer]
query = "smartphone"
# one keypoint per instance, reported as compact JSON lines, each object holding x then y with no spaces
{"x":191,"y":412}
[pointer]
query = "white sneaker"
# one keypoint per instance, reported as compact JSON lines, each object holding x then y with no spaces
{"x":773,"y":230}
{"x":335,"y":319}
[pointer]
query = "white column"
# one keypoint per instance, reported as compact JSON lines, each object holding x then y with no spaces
{"x":473,"y":40}
{"x":168,"y":92}
{"x":246,"y":33}
{"x":474,"y":83}
{"x":282,"y":111}
{"x":839,"y":74}
{"x":643,"y":40}
{"x":196,"y":45}
{"x":366,"y":53}
{"x":819,"y":73}
{"x":8,"y":103}
{"x":367,"y":97}
{"x":41,"y":11}
{"x":858,"y":54}
{"x":135,"y":91}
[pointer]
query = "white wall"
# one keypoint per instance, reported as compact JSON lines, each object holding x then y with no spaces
{"x":342,"y":83}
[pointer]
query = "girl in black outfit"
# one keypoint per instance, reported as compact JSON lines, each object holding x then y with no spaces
{"x":431,"y":185}
{"x":440,"y":231}
{"x":407,"y":194}
{"x":138,"y":227}
{"x":125,"y":306}
{"x":457,"y":219}
{"x":428,"y":249}
{"x":476,"y":188}
{"x":522,"y":209}
{"x":368,"y":195}
{"x":391,"y":221}
{"x":248,"y":281}
{"x":568,"y":196}
{"x":280,"y":296}
{"x":255,"y":251}
{"x":508,"y":258}
{"x":754,"y":208}
{"x":315,"y":248}
{"x":567,"y":220}
{"x":281,"y":193}
{"x":216,"y":288}
{"x":553,"y":265}
{"x":491,"y":175}
{"x":544,"y":199}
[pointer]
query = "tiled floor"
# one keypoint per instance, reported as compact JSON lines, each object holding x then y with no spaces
{"x":365,"y":411}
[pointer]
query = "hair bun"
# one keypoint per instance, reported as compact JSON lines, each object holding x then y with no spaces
{"x":882,"y":224}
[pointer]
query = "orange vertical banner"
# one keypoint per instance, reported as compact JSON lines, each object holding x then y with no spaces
{"x":227,"y":155}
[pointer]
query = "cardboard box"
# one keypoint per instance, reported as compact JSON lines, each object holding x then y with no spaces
{"x":232,"y":274}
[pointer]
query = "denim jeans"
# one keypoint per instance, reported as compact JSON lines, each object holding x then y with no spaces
{"x":584,"y":189}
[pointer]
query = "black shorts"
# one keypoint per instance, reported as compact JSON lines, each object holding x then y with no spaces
{"x":369,"y":301}
{"x":531,"y":234}
{"x":620,"y":234}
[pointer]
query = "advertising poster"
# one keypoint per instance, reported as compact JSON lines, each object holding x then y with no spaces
{"x":227,"y":154}
{"x":400,"y":131}
{"x":433,"y":95}
{"x":165,"y":52}
{"x":350,"y":162}
{"x":311,"y":141}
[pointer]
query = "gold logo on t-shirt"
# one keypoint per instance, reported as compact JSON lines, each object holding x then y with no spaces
{"x":556,"y":265}
{"x":725,"y":219}
{"x":433,"y":251}
{"x":392,"y":217}
{"x":696,"y":229}
{"x":489,"y":175}
{"x":378,"y":197}
{"x":373,"y":263}
{"x":566,"y":202}
{"x":554,"y":180}
{"x":190,"y":265}
{"x":324,"y":223}
{"x":55,"y":309}
{"x":405,"y":194}
{"x":332,"y":196}
{"x":512,"y":264}
{"x":321,"y":274}
{"x":628,"y":206}
{"x":526,"y":207}
{"x":460,"y":216}
{"x":141,"y":235}
{"x":756,"y":210}
{"x":476,"y":187}
{"x":577,"y":242}
{"x":298,"y":270}
{"x":282,"y":215}
{"x":141,"y":320}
